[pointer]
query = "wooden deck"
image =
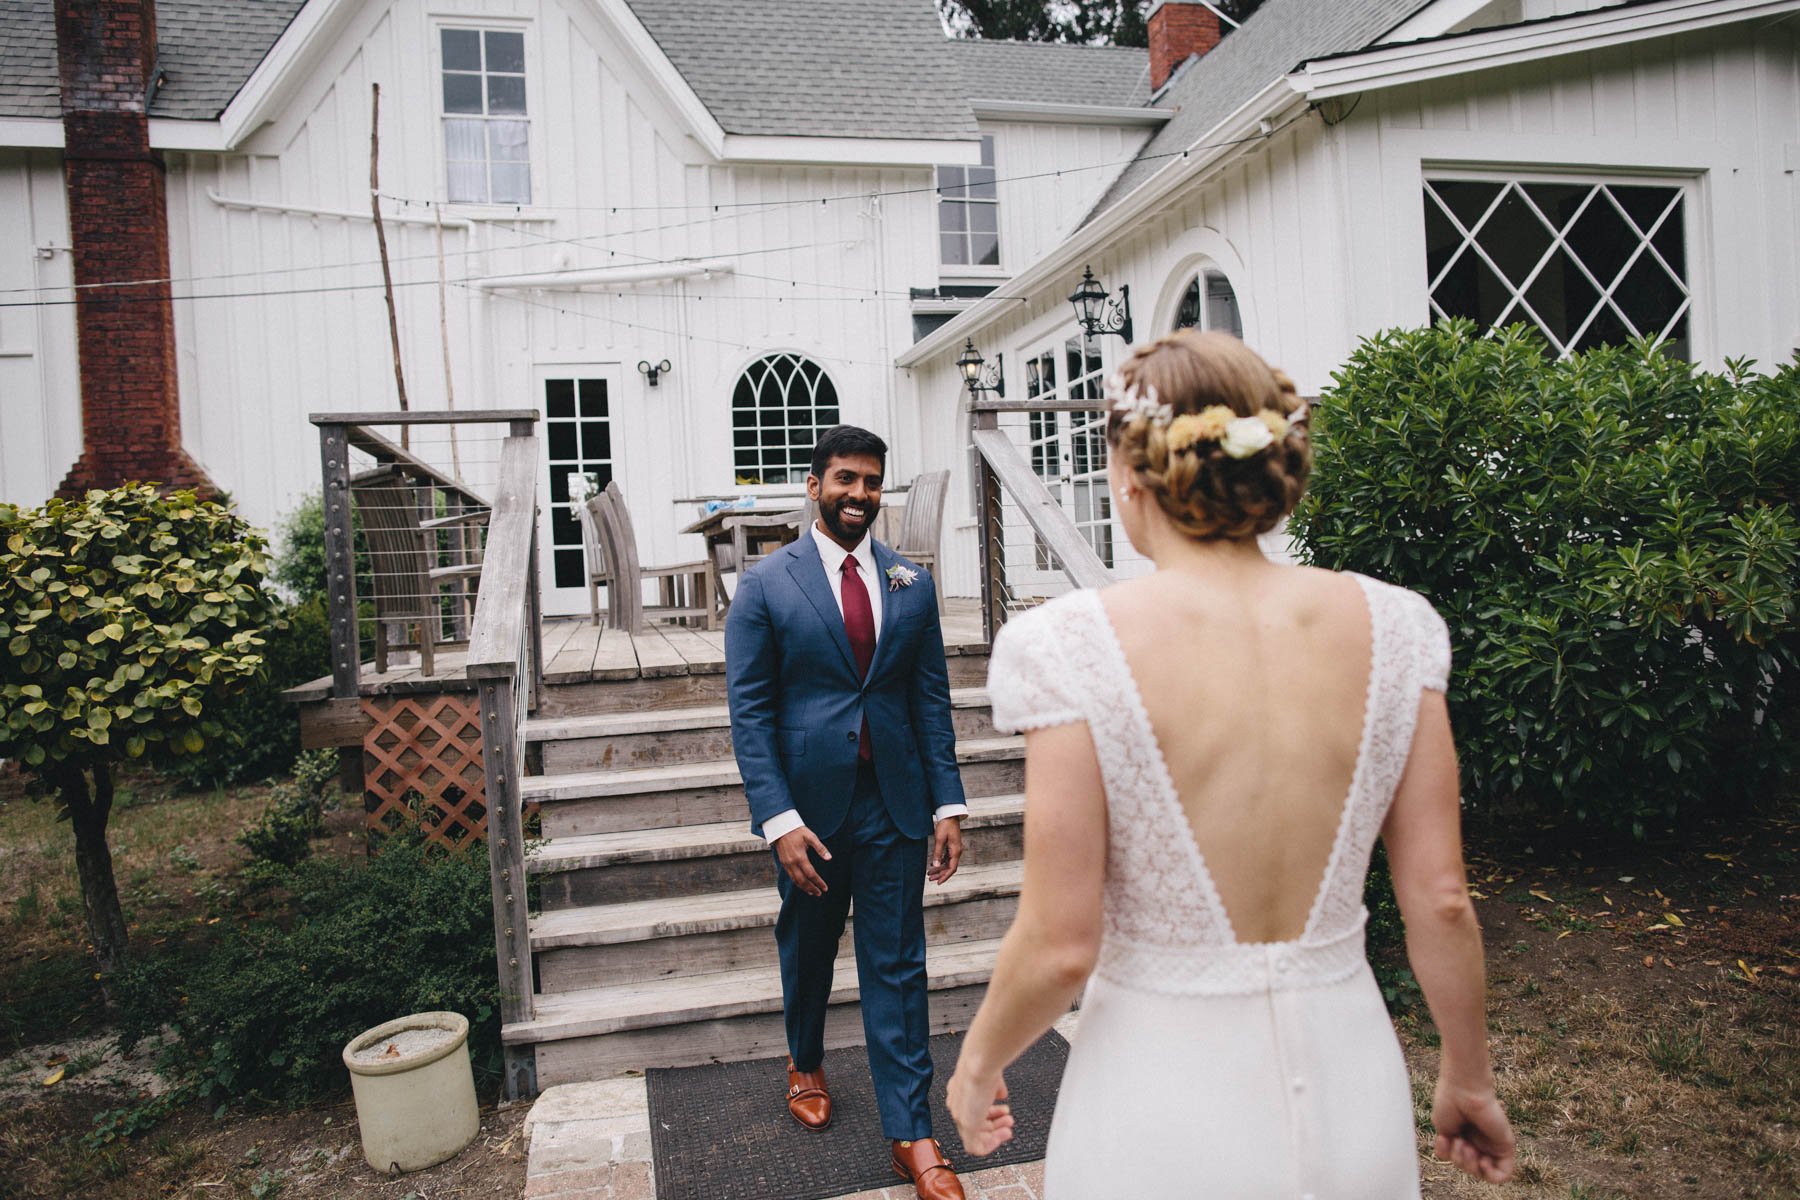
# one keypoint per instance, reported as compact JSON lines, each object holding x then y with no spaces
{"x":577,"y":652}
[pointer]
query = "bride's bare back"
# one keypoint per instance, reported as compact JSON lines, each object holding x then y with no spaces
{"x":1255,"y":686}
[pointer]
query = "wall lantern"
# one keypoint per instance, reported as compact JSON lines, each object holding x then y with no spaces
{"x":653,"y":371}
{"x":977,"y":374}
{"x":1096,"y":312}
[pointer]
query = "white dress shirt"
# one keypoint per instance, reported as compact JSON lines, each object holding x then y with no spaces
{"x":833,"y":556}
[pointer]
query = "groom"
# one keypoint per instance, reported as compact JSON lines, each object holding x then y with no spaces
{"x":840,"y":719}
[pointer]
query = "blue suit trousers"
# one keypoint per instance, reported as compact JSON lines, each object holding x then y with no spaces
{"x":883,"y":871}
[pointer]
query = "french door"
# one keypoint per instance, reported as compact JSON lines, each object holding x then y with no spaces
{"x":580,"y":434}
{"x":1067,"y":450}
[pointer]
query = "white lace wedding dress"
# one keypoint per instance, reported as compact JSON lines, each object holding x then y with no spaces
{"x":1204,"y":1066}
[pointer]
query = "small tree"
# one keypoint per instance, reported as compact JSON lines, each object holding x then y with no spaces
{"x":127,"y":616}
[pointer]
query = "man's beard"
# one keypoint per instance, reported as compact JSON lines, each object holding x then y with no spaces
{"x":831,"y":515}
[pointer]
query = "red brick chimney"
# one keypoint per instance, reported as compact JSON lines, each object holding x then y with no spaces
{"x":119,"y":227}
{"x":1178,"y":31}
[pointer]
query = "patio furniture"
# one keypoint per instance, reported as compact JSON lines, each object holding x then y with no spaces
{"x":593,"y":553}
{"x":405,"y":580}
{"x":685,"y":588}
{"x":922,"y":525}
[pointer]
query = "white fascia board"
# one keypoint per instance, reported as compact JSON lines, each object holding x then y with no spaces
{"x":314,"y":25}
{"x":168,"y":134}
{"x":674,"y":86}
{"x":1393,"y":66}
{"x":1068,"y":114}
{"x":1434,"y":20}
{"x":848,"y":151}
{"x":32,"y":133}
{"x":606,"y":276}
{"x":1223,"y":142}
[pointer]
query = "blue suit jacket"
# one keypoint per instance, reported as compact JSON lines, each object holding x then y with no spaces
{"x":797,"y":703}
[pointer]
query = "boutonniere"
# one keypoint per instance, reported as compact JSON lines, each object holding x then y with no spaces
{"x":899,"y":577}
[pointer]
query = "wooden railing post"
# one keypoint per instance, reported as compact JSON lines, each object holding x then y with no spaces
{"x":503,"y":760}
{"x":340,"y":560}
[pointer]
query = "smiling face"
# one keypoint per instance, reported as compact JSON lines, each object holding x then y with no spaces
{"x":849,"y":496}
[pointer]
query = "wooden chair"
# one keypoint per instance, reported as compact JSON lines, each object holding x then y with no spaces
{"x":755,"y":535}
{"x":686,"y":588}
{"x":406,"y":579}
{"x":593,"y":553}
{"x":922,"y":524}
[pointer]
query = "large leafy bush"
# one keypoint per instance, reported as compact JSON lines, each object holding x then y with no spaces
{"x":1612,"y":539}
{"x":127,"y":617}
{"x":264,"y":1012}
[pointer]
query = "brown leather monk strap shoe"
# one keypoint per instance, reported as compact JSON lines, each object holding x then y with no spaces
{"x":924,"y":1166}
{"x":807,"y":1098}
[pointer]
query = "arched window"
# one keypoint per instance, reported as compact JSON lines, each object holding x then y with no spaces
{"x":781,"y":404}
{"x":1210,"y":304}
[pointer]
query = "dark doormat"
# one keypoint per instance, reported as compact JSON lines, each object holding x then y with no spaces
{"x":722,"y":1132}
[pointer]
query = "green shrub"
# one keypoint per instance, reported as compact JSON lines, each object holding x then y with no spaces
{"x":264,"y":1013}
{"x":299,"y":568}
{"x":284,"y":833}
{"x":1613,"y":542}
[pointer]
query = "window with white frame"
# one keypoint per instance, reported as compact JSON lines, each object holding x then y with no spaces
{"x":969,"y":213}
{"x":1589,"y":263}
{"x":487,"y":133}
{"x":781,"y":404}
{"x":1210,"y":303}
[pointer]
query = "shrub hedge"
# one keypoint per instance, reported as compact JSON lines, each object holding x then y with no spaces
{"x":1612,"y":539}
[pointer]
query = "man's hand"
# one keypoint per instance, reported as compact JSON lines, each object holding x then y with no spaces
{"x":792,"y":849}
{"x":946,"y":850}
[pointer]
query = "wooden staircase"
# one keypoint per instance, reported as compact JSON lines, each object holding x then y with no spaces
{"x":653,"y":943}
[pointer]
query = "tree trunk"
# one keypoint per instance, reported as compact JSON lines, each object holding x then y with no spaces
{"x":88,"y":813}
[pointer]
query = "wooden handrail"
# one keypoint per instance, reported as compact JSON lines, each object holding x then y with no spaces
{"x":501,"y":601}
{"x":1037,"y":404}
{"x":437,"y":416}
{"x":1015,"y":477}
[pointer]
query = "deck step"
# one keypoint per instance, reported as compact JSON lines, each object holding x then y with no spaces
{"x":703,"y":793}
{"x":685,"y":860}
{"x":709,"y":716}
{"x":721,"y":931}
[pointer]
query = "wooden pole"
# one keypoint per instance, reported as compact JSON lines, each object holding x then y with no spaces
{"x":437,"y":210}
{"x":387,"y":274}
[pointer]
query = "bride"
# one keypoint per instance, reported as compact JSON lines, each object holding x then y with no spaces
{"x":1211,"y":751}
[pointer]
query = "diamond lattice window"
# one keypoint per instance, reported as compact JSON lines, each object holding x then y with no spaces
{"x":1590,"y":264}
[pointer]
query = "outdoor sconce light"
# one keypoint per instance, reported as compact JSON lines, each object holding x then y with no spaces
{"x":653,"y":371}
{"x":971,"y":364}
{"x":1096,"y":312}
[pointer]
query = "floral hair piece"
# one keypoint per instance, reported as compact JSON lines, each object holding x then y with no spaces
{"x":1130,"y":402}
{"x":1239,"y":437}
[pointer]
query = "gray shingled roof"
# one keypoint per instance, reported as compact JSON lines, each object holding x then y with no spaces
{"x":1050,"y":73}
{"x":1279,"y":37}
{"x":28,"y":86}
{"x":207,"y":49}
{"x":815,"y":68}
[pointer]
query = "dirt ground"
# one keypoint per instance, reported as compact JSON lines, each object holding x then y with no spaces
{"x":1645,"y":1001}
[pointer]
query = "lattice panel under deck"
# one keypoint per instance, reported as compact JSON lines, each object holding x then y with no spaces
{"x":428,"y":746}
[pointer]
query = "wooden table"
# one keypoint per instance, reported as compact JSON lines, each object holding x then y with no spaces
{"x":717,"y":535}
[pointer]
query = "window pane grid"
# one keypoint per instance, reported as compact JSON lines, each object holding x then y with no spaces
{"x":968,"y":212}
{"x":486,"y":133}
{"x":781,"y":404}
{"x":1601,"y":278}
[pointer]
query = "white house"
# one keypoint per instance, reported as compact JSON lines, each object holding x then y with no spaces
{"x":809,"y":207}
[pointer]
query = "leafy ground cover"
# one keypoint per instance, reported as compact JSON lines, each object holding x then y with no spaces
{"x":1645,"y":998}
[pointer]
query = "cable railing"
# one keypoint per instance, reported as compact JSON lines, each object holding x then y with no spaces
{"x":1030,"y":547}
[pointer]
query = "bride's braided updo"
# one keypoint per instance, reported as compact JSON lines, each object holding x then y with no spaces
{"x":1188,"y":466}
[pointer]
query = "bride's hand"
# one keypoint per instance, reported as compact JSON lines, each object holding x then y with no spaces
{"x":1473,"y":1133}
{"x":983,"y":1119}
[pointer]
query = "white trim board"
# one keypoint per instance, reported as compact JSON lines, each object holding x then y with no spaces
{"x":1414,"y":62}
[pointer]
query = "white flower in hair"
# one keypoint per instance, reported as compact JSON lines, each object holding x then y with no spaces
{"x":1132,"y":402}
{"x":1246,"y":436}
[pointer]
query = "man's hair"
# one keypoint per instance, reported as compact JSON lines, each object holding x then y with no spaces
{"x":846,"y":441}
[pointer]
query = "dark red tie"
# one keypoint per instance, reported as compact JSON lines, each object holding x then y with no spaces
{"x":859,"y":624}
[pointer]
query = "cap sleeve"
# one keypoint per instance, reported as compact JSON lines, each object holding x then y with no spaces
{"x":1027,"y":685}
{"x":1432,"y":637}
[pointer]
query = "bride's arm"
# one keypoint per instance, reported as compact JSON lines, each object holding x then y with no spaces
{"x":1423,"y":835}
{"x":1050,"y":950}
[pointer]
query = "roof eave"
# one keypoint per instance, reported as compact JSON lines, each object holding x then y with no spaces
{"x":1207,"y":153}
{"x":851,"y":151}
{"x":1069,"y":114}
{"x":1455,"y":54}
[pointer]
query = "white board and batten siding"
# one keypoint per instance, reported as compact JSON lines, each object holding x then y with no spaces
{"x":1321,"y":231}
{"x":40,"y":419}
